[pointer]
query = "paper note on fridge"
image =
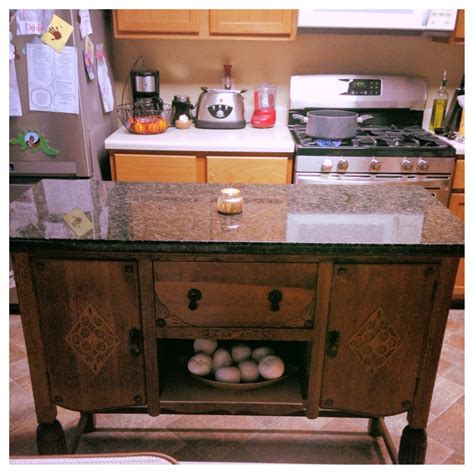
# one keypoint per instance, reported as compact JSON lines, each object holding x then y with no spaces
{"x":52,"y":79}
{"x":58,"y":33}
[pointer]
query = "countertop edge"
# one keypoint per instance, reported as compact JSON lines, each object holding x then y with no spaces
{"x":252,"y":248}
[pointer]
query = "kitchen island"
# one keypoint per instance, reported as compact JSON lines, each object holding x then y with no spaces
{"x":352,"y":284}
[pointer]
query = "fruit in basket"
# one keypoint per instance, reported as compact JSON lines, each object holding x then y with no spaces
{"x":200,"y":364}
{"x":228,"y":374}
{"x":208,"y":346}
{"x":249,"y":370}
{"x":271,"y":367}
{"x":147,"y":125}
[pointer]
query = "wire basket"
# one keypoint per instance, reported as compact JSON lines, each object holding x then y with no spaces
{"x":145,"y":121}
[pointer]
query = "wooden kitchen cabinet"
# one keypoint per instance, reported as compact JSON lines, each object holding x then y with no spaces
{"x":205,"y":24}
{"x":156,"y":22}
{"x":151,"y":167}
{"x":373,"y":348}
{"x":456,"y":205}
{"x":248,"y":169}
{"x":89,"y":313}
{"x":252,"y":22}
{"x":201,"y":167}
{"x":458,"y":34}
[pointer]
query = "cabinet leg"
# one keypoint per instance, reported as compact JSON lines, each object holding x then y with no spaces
{"x":374,"y":428}
{"x":89,"y":425}
{"x":413,"y":445}
{"x":50,"y":438}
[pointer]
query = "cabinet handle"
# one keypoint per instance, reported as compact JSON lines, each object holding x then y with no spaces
{"x":135,"y":340}
{"x":275,"y":296}
{"x":194,"y":295}
{"x":332,"y":343}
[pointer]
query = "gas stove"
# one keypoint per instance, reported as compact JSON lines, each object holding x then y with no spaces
{"x":390,"y":147}
{"x":375,"y":140}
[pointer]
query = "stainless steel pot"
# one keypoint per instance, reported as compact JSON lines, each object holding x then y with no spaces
{"x":332,"y":124}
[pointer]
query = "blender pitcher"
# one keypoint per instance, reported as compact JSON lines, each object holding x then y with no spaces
{"x":264,"y":114}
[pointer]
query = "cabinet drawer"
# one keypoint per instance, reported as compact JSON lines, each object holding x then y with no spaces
{"x":247,"y":169}
{"x":157,"y":168}
{"x":235,"y":294}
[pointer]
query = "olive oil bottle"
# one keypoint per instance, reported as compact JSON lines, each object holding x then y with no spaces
{"x":440,"y":104}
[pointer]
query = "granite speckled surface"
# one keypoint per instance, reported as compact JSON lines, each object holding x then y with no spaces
{"x":277,"y":219}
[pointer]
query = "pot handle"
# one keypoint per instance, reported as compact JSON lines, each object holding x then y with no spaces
{"x":300,"y":117}
{"x":363,"y":118}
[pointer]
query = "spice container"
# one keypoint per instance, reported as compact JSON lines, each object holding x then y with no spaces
{"x":230,"y":201}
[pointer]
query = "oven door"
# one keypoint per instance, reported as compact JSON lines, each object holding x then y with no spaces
{"x":438,"y":185}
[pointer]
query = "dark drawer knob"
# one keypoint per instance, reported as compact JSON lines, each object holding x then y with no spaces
{"x":275,"y":297}
{"x":194,"y":295}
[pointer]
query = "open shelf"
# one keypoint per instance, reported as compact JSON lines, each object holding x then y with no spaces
{"x":182,"y":392}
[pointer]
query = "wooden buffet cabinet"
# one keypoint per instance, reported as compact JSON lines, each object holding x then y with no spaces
{"x":107,"y":319}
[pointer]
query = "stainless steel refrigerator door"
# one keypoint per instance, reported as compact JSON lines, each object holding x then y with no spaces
{"x":79,"y":155}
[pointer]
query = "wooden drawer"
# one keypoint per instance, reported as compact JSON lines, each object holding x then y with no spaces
{"x":156,"y":168}
{"x":248,"y":169}
{"x":235,"y":294}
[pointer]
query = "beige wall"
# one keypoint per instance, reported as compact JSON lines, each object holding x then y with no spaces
{"x":185,"y":65}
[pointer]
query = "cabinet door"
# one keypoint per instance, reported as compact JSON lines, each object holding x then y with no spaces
{"x":87,"y":310}
{"x":156,"y":22}
{"x":157,"y":168}
{"x":248,"y":169}
{"x":251,"y":22}
{"x":459,"y":33}
{"x":375,"y":336}
{"x":456,"y":205}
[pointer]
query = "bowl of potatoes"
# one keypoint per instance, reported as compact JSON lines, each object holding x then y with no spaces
{"x":236,"y":365}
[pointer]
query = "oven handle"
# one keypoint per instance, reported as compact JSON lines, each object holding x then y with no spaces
{"x":436,"y":183}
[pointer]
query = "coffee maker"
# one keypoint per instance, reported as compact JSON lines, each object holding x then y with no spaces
{"x":146,"y":90}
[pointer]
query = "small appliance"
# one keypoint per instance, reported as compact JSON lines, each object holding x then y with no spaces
{"x":220,"y":109}
{"x":264,"y":114}
{"x":146,"y":89}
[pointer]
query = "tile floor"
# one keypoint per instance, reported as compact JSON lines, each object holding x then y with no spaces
{"x":248,"y":438}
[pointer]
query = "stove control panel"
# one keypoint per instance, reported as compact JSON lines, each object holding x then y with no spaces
{"x":363,"y":86}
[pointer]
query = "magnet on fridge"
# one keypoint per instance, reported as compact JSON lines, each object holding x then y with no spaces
{"x":33,"y":141}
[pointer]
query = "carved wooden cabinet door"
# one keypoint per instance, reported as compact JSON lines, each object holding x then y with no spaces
{"x":90,"y":322}
{"x":376,"y":328}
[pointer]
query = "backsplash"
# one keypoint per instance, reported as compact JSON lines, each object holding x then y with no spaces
{"x":186,"y":65}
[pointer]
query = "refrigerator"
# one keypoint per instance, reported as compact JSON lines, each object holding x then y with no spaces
{"x":78,"y":138}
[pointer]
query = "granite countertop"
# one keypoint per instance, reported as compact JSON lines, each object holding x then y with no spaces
{"x":295,"y":219}
{"x":254,"y":140}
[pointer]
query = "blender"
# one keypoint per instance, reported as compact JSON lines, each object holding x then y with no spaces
{"x":264,"y":114}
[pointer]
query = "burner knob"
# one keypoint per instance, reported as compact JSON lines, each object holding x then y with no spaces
{"x":423,"y":165}
{"x":375,"y":165}
{"x":407,"y":165}
{"x":326,"y":165}
{"x":342,"y":165}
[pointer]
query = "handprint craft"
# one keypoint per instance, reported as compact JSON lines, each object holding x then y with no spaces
{"x":55,"y":33}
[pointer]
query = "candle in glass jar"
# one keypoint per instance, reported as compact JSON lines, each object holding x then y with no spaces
{"x":230,"y":201}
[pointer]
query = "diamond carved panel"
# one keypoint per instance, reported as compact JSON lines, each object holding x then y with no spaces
{"x":375,"y":342}
{"x":92,"y":339}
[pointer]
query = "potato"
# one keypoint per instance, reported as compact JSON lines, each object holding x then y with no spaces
{"x":208,"y":346}
{"x":200,"y":364}
{"x":271,"y":367}
{"x":221,"y":358}
{"x":249,"y":370}
{"x":260,"y":352}
{"x":240,"y":352}
{"x":228,"y":374}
